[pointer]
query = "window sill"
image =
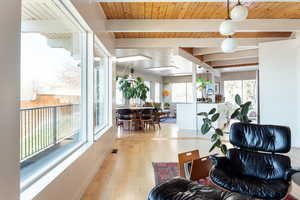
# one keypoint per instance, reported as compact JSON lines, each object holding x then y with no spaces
{"x":35,"y":188}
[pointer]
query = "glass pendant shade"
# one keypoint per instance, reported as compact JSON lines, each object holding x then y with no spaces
{"x":229,"y":45}
{"x":239,"y":13}
{"x":227,"y":27}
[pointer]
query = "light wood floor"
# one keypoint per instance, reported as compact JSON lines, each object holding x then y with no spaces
{"x":129,"y":175}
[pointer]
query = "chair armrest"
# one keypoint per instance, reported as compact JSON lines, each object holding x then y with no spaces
{"x":219,"y":161}
{"x":289,"y":173}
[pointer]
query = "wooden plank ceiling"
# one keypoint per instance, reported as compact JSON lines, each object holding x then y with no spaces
{"x":198,"y":10}
{"x":198,"y":35}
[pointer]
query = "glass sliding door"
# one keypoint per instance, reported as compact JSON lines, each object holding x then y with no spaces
{"x":53,"y":68}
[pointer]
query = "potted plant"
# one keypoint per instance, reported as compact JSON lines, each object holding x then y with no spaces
{"x":202,"y":87}
{"x":132,"y":88}
{"x":241,"y":114}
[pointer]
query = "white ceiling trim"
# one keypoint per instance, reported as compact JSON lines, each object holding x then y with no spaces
{"x":137,"y":43}
{"x":200,"y":25}
{"x":252,"y":53}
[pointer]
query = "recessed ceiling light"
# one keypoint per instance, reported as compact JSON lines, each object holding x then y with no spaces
{"x":132,"y":58}
{"x":163,"y":68}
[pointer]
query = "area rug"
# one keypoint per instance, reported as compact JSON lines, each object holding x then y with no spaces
{"x":164,"y":171}
{"x":169,"y":121}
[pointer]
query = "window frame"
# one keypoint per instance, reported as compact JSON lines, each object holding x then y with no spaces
{"x":31,"y":186}
{"x":108,"y":74}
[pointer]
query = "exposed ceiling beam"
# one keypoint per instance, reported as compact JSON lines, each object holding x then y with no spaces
{"x":231,"y":66}
{"x":252,"y":53}
{"x":200,"y":25}
{"x":138,"y":43}
{"x":185,"y":54}
{"x":234,"y":62}
{"x":212,"y":50}
{"x":191,"y":0}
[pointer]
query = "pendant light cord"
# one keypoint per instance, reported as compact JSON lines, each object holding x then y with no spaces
{"x":228,"y":17}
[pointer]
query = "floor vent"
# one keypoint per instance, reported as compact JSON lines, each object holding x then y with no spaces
{"x":114,"y":151}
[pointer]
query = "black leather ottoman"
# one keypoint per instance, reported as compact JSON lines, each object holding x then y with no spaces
{"x":182,"y":189}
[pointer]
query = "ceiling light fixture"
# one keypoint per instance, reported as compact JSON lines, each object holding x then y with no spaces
{"x":132,"y":58}
{"x":229,"y":45}
{"x":239,"y":12}
{"x":163,"y":68}
{"x":228,"y":28}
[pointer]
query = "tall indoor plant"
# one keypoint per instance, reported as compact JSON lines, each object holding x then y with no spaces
{"x":241,"y":114}
{"x":132,"y":88}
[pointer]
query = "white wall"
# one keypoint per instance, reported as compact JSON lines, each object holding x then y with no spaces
{"x":279,"y":85}
{"x":10,"y":18}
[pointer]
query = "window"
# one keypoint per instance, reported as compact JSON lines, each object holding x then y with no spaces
{"x":157,"y":92}
{"x":231,"y":88}
{"x":53,"y":68}
{"x":245,"y":88}
{"x":148,"y":84}
{"x":182,"y":92}
{"x":101,"y":95}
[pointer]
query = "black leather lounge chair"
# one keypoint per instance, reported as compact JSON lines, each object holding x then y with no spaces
{"x":256,"y":166}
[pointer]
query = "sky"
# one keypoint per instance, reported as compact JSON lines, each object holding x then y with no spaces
{"x":41,"y":64}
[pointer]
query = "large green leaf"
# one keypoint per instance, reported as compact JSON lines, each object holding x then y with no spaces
{"x":212,"y":111}
{"x":214,"y":137}
{"x":203,"y":114}
{"x":238,"y":99}
{"x":224,"y":148}
{"x":215,"y":117}
{"x":235,"y":113}
{"x":245,"y":108}
{"x":219,"y":132}
{"x":216,"y":144}
{"x":205,"y":128}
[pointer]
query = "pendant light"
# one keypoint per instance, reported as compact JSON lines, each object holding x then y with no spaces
{"x":239,"y":12}
{"x":227,"y":27}
{"x":229,"y":45}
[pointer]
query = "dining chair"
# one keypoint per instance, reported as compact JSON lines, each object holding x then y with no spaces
{"x":125,"y":116}
{"x":146,"y":118}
